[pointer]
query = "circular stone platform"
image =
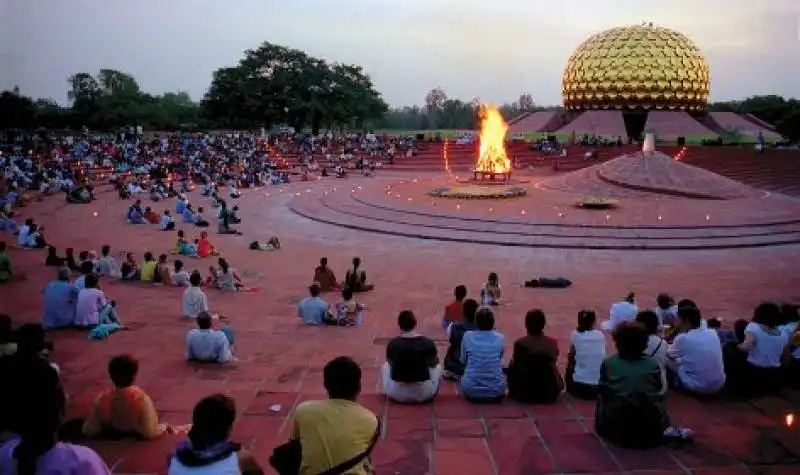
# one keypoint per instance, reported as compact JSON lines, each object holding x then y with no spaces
{"x":549,"y":219}
{"x":478,"y":191}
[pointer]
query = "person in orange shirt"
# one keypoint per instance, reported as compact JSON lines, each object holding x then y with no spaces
{"x":150,"y":216}
{"x":454,"y":312}
{"x":204,"y":246}
{"x":124,"y":410}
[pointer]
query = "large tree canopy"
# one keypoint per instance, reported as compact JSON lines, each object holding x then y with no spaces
{"x":277,"y":85}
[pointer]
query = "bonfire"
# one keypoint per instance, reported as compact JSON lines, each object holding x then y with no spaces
{"x":492,"y":158}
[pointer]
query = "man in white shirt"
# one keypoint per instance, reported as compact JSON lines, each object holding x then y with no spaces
{"x":194,"y":300}
{"x":695,"y":356}
{"x":624,"y":311}
{"x":24,"y":232}
{"x":206,"y":344}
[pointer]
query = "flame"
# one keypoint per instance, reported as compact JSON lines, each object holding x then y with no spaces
{"x":492,"y":157}
{"x":789,"y":420}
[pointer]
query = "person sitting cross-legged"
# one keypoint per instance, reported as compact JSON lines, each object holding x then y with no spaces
{"x":586,"y":353}
{"x":312,"y":310}
{"x":92,"y":308}
{"x":339,"y":429}
{"x":207,"y":345}
{"x":124,"y":410}
{"x":694,"y":358}
{"x":209,"y":450}
{"x":454,"y":311}
{"x":355,"y":279}
{"x":630,"y":405}
{"x":59,"y":301}
{"x":325,"y":277}
{"x":412,"y":373}
{"x":532,"y":373}
{"x":453,"y":366}
{"x":482,"y":355}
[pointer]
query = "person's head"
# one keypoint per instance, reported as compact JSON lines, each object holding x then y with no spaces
{"x":166,"y":212}
{"x":535,"y":322}
{"x":105,"y":250}
{"x":122,"y":370}
{"x":347,"y":294}
{"x":204,"y":320}
{"x":689,"y":317}
{"x":586,"y":320}
{"x":493,"y":279}
{"x":460,"y":292}
{"x":87,"y":267}
{"x":52,"y":251}
{"x":342,"y":378}
{"x":178,"y":265}
{"x":484,"y":319}
{"x":664,"y":301}
{"x":739,"y":327}
{"x":5,"y":328}
{"x":356,"y":262}
{"x":195,"y":279}
{"x":767,"y":314}
{"x":406,"y":321}
{"x":162,"y":259}
{"x":203,"y":235}
{"x":687,"y":303}
{"x":714,"y":323}
{"x":630,"y":339}
{"x":470,"y":308}
{"x":223,"y":264}
{"x":323,"y":262}
{"x":29,"y":222}
{"x":212,"y":421}
{"x":70,"y":252}
{"x":199,"y":209}
{"x":30,"y":338}
{"x":630,"y":298}
{"x":180,"y":234}
{"x":83,"y":255}
{"x":649,"y":320}
{"x":91,"y":281}
{"x":148,"y":256}
{"x":148,"y":210}
{"x":314,"y":289}
{"x":129,"y":256}
{"x":62,"y":274}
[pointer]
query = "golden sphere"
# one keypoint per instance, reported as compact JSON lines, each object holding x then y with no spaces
{"x":636,"y":67}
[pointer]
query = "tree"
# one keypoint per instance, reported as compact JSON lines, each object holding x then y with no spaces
{"x":18,"y":111}
{"x":274,"y":84}
{"x":525,"y":102}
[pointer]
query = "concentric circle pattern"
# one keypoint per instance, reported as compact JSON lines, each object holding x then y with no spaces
{"x":637,"y":67}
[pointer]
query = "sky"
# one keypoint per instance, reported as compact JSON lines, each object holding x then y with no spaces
{"x":494,"y":50}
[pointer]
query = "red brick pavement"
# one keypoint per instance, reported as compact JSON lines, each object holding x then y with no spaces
{"x":281,"y":361}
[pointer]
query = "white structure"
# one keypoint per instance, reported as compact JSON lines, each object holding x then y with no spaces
{"x":649,"y":145}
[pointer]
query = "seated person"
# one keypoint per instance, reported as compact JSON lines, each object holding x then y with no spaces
{"x":166,"y":223}
{"x":53,"y":259}
{"x":129,"y":269}
{"x":694,"y":359}
{"x":199,"y":220}
{"x":666,"y":310}
{"x":70,"y":260}
{"x":163,"y":271}
{"x":272,"y":245}
{"x":753,"y":367}
{"x":35,"y":238}
{"x":24,"y":231}
{"x":194,"y":300}
{"x":92,"y":308}
{"x":135,"y":214}
{"x":324,"y":276}
{"x":453,"y":367}
{"x":623,"y":311}
{"x":225,"y":227}
{"x":340,"y":172}
{"x":107,"y":265}
{"x":318,"y":425}
{"x":491,"y":293}
{"x":482,"y":355}
{"x":149,"y":265}
{"x":179,"y":276}
{"x":226,"y":277}
{"x":208,"y":449}
{"x":656,"y":346}
{"x":188,"y":214}
{"x":630,"y":404}
{"x":454,"y":311}
{"x":348,"y":311}
{"x":79,"y":195}
{"x":7,"y":222}
{"x":124,"y":410}
{"x":60,"y":297}
{"x":233,"y":191}
{"x":183,"y":247}
{"x":312,"y":310}
{"x":206,"y":190}
{"x":412,"y":373}
{"x":355,"y":279}
{"x":181,"y":204}
{"x":233,"y":215}
{"x":532,"y":373}
{"x":6,"y":274}
{"x":151,"y":216}
{"x":204,"y":246}
{"x":586,"y":353}
{"x":38,"y":399}
{"x":204,"y":344}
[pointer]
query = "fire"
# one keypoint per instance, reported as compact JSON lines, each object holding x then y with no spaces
{"x":492,"y":157}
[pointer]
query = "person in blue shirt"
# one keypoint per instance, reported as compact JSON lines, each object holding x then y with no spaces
{"x":312,"y":310}
{"x":482,"y":355}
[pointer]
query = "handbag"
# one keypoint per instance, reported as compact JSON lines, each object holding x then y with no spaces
{"x":287,"y":458}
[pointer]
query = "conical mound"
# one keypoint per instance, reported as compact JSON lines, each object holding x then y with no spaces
{"x":656,"y":173}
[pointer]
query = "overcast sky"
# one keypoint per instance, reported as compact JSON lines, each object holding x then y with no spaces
{"x":493,"y":49}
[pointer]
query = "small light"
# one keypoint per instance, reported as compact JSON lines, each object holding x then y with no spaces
{"x":560,"y":214}
{"x":94,"y":214}
{"x":789,"y":420}
{"x":266,"y":195}
{"x":359,"y":187}
{"x":660,"y":217}
{"x":491,"y":209}
{"x":281,"y":190}
{"x":414,"y":180}
{"x":608,"y":216}
{"x":397,"y":195}
{"x":522,"y":212}
{"x":308,"y":190}
{"x":410,"y":199}
{"x":708,"y":217}
{"x":297,"y":194}
{"x":458,"y":206}
{"x":334,"y":189}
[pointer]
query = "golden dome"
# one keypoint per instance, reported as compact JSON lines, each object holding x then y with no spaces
{"x":636,"y":67}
